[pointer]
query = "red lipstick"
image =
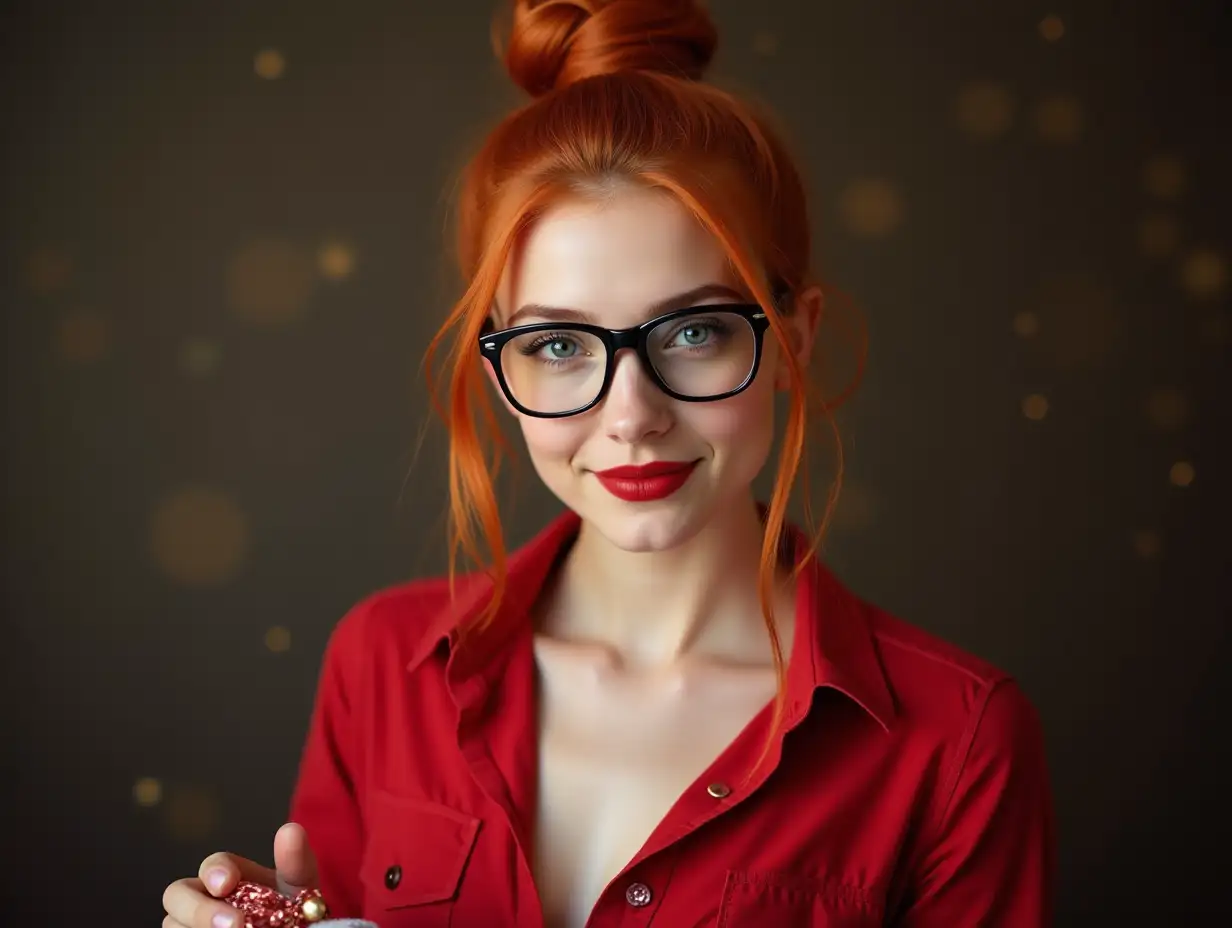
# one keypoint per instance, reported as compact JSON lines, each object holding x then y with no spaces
{"x":644,"y":482}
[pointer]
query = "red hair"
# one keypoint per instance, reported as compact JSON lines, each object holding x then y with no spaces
{"x":617,"y":100}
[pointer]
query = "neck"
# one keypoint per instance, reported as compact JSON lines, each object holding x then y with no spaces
{"x":653,"y":609}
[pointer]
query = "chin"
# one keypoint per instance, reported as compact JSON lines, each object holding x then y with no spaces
{"x":658,"y":525}
{"x":645,"y":532}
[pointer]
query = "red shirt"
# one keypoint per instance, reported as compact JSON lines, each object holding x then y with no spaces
{"x":909,"y":785}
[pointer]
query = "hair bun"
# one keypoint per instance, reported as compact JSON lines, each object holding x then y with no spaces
{"x":553,"y":43}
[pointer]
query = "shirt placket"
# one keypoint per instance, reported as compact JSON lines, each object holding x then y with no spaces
{"x":637,"y":894}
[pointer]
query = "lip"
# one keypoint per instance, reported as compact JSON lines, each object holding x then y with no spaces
{"x":643,"y":471}
{"x":639,"y":483}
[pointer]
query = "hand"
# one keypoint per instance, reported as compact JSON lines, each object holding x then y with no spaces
{"x":195,"y":902}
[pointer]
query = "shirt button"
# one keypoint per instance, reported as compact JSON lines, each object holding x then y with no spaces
{"x":638,"y":895}
{"x":719,"y":790}
{"x":393,"y":876}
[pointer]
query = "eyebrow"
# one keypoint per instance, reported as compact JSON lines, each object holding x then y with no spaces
{"x":679,"y":301}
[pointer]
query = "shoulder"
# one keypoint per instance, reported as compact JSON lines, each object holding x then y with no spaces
{"x":910,"y":653}
{"x":401,"y":623}
{"x":972,"y":736}
{"x":943,"y":691}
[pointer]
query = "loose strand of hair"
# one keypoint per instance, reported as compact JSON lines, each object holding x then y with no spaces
{"x":477,"y":443}
{"x":789,"y":458}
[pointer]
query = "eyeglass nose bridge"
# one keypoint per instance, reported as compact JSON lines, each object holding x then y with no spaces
{"x":627,"y":338}
{"x":636,"y":340}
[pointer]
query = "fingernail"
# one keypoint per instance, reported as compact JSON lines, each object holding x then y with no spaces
{"x":223,"y":920}
{"x":214,"y":880}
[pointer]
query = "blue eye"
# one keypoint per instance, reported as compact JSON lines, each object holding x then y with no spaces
{"x":708,"y":333}
{"x":553,"y":347}
{"x":559,"y":348}
{"x":694,"y":334}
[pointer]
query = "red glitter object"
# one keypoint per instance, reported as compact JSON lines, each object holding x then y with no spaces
{"x":264,"y":907}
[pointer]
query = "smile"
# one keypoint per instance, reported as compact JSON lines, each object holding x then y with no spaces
{"x":646,"y":482}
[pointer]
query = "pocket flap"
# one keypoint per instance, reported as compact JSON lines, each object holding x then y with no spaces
{"x":416,"y":851}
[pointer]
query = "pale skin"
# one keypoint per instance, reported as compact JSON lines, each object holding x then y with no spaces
{"x":650,"y":643}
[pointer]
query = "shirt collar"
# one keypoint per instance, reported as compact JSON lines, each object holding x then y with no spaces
{"x":834,"y":645}
{"x":833,"y":648}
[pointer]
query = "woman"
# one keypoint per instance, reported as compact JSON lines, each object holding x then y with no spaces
{"x":663,"y":707}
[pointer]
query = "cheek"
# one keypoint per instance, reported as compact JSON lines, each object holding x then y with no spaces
{"x":738,"y":428}
{"x":550,"y":442}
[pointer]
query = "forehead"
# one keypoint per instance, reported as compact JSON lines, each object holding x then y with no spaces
{"x":612,"y":257}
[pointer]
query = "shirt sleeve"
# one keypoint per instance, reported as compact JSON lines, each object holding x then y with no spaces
{"x":325,"y":800}
{"x":990,"y":859}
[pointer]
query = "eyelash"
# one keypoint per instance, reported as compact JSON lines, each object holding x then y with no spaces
{"x":546,"y":338}
{"x":716,"y":327}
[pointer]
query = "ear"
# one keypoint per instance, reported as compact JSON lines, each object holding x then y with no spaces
{"x":491,"y":372}
{"x":802,"y":319}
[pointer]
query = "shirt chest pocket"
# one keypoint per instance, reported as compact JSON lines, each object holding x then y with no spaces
{"x":413,"y":861}
{"x":754,"y":900}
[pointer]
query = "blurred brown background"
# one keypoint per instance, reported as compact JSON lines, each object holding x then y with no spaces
{"x":223,"y":256}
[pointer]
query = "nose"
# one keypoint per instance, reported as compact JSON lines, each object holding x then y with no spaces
{"x":634,"y":408}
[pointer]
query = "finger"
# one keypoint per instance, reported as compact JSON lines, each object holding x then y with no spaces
{"x":218,"y":915}
{"x":188,"y":905}
{"x":294,"y":863}
{"x":181,"y":898}
{"x":220,"y":872}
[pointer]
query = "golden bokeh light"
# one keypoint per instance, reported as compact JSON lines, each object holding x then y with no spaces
{"x":269,"y":63}
{"x":270,"y":281}
{"x":199,"y":357}
{"x":1182,"y":474}
{"x":191,"y":813}
{"x":1167,"y":409}
{"x":1159,"y":235}
{"x":82,"y":336}
{"x":147,"y":792}
{"x":857,"y":508}
{"x":1035,"y":406}
{"x":49,"y":270}
{"x":278,"y":639}
{"x":984,"y":110}
{"x":1146,"y":544}
{"x":1163,"y":176}
{"x":765,"y":43}
{"x":1080,"y":325}
{"x":1026,"y":324}
{"x":1204,"y":275}
{"x":871,"y":208}
{"x":1052,"y":28}
{"x":1058,"y":119}
{"x":336,"y":260}
{"x":199,"y":536}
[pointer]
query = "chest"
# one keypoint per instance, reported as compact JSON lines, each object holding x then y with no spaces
{"x":489,"y":823}
{"x":616,"y":751}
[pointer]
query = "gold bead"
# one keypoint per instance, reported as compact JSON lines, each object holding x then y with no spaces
{"x":314,"y":909}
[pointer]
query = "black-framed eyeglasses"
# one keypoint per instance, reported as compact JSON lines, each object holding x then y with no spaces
{"x":699,"y":354}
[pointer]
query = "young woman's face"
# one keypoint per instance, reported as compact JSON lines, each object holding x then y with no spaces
{"x":617,"y":264}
